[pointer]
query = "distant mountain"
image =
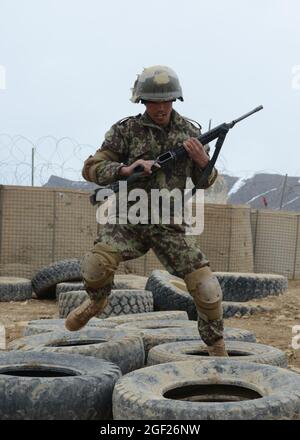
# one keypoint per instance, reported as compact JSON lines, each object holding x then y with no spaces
{"x":259,"y":190}
{"x":60,"y":182}
{"x":265,"y":191}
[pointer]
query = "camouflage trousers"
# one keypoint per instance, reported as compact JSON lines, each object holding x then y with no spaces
{"x":179,"y":253}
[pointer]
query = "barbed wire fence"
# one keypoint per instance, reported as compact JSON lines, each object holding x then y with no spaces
{"x":31,"y":163}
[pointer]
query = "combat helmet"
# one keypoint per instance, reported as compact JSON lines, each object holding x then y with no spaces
{"x":156,"y":83}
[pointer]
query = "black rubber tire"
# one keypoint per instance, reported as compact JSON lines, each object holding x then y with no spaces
{"x":159,"y":324}
{"x":127,"y":301}
{"x":246,"y":286}
{"x":123,"y":319}
{"x":148,"y":394}
{"x":40,"y":326}
{"x":172,"y":331}
{"x":120,"y":302}
{"x":120,"y":282}
{"x":60,"y":397}
{"x":238,"y":352}
{"x":15,"y":289}
{"x":69,"y":301}
{"x":168,"y":296}
{"x":69,"y":287}
{"x":231,"y":309}
{"x":129,"y":281}
{"x":45,"y":280}
{"x":120,"y":347}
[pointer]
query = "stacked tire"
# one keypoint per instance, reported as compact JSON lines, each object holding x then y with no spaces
{"x":213,"y":389}
{"x":243,"y":385}
{"x":120,"y":302}
{"x":143,"y":364}
{"x":49,"y":386}
{"x":15,"y":289}
{"x":123,"y":348}
{"x":170,"y":293}
{"x":45,"y":280}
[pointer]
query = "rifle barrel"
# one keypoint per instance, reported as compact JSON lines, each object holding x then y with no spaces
{"x":257,"y":109}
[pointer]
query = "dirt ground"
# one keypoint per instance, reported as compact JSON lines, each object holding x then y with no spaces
{"x":272,"y":328}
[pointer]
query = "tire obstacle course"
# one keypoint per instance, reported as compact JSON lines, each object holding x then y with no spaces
{"x":121,"y":355}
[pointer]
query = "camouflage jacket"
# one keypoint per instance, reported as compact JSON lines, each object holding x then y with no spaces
{"x":138,"y":137}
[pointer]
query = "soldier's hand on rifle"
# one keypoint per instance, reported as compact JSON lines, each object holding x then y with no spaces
{"x":196,"y":152}
{"x":127,"y":171}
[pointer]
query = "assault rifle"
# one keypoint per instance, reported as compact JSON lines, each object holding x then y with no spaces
{"x":164,"y":159}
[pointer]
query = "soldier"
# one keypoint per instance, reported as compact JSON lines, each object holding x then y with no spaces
{"x":135,"y":141}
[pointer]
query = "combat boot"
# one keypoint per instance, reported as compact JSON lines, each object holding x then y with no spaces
{"x":79,"y":317}
{"x":217,"y":349}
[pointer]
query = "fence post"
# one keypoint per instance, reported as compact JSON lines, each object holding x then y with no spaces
{"x":230,"y":240}
{"x":296,"y":247}
{"x":32,"y":165}
{"x":255,"y":240}
{"x":54,"y":226}
{"x":1,"y":220}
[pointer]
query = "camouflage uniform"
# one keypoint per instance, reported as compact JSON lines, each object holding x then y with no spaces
{"x":140,"y":138}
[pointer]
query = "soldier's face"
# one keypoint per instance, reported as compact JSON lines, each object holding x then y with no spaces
{"x":159,"y":112}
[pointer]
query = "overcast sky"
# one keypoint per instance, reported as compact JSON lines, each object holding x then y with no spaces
{"x":69,"y":66}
